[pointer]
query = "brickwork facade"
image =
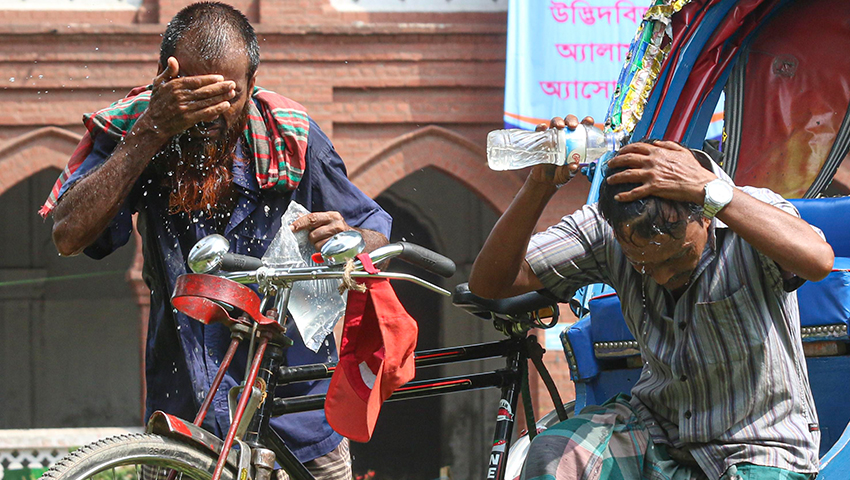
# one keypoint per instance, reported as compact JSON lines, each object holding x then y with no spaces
{"x":396,"y":92}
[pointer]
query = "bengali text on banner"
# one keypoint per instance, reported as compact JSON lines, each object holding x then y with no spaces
{"x":565,"y":57}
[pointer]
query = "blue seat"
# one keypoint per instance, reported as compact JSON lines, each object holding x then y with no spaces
{"x":602,"y":354}
{"x":604,"y":359}
{"x":825,"y":305}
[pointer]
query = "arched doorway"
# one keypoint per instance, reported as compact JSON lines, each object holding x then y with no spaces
{"x":69,"y":327}
{"x":413,"y":439}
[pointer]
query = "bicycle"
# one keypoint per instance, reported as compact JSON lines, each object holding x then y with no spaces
{"x":217,"y":293}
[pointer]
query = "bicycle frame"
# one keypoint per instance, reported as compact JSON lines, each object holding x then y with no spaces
{"x":211,"y":297}
{"x":508,"y":379}
{"x":273,"y":373}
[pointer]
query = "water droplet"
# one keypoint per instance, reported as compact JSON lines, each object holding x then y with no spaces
{"x":96,"y":48}
{"x":12,"y":79}
{"x":41,"y":76}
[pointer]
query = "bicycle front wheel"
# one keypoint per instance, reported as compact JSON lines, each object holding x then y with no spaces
{"x":139,"y":456}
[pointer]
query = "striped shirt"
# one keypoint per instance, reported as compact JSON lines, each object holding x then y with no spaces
{"x":724,"y":373}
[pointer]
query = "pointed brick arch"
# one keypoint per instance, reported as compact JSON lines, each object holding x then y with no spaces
{"x":24,"y":156}
{"x":439,"y":148}
{"x":47,"y":147}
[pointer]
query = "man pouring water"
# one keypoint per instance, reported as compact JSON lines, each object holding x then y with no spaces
{"x":707,"y":292}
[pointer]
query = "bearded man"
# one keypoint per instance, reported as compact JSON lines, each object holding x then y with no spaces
{"x":202,"y":151}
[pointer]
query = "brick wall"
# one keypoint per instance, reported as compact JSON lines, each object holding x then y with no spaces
{"x":395,"y":92}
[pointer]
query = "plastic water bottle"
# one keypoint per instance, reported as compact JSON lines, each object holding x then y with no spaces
{"x":513,"y":149}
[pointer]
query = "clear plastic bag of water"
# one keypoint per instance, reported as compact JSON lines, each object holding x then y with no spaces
{"x":315,"y":305}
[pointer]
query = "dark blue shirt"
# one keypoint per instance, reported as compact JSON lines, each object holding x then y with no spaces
{"x":182,"y":354}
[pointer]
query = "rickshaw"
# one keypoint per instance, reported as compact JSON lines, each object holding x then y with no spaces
{"x":783,"y":68}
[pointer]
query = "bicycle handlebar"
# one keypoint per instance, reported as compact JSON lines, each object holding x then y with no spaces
{"x":246,"y":269}
{"x":231,"y":262}
{"x":427,"y":259}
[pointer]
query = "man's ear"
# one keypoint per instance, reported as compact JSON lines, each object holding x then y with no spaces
{"x":251,"y":83}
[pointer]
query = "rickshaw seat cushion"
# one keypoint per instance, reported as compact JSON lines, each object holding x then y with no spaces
{"x":827,"y":302}
{"x":608,"y":323}
{"x":578,"y":345}
{"x":828,"y":214}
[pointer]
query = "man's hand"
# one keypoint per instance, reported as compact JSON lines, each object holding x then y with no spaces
{"x":665,"y":169}
{"x":320,"y":226}
{"x":552,"y":174}
{"x":178,"y":103}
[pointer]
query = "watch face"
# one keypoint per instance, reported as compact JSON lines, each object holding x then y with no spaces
{"x":719,"y":191}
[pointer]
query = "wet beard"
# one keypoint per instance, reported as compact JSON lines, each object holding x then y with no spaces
{"x":198,"y":171}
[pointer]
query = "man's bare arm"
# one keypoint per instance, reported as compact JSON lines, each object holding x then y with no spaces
{"x":500,"y":270}
{"x":85,"y":210}
{"x":788,"y":240}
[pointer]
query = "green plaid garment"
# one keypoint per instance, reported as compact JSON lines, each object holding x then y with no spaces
{"x":276,"y":133}
{"x":610,"y":442}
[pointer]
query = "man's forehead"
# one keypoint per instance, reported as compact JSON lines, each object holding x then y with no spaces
{"x":637,"y":247}
{"x":234,"y":60}
{"x":659,"y":247}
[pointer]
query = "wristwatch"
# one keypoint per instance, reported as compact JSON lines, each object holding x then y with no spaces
{"x":718,"y":194}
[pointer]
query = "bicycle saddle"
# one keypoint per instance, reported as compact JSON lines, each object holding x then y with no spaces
{"x":211,"y":299}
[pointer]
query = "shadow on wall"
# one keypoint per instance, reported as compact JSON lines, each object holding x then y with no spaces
{"x":69,"y":327}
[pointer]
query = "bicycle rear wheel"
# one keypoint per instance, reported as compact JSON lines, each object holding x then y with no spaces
{"x":140,"y":456}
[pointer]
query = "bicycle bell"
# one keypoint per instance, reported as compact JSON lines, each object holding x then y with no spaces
{"x":206,"y":255}
{"x":342,"y":246}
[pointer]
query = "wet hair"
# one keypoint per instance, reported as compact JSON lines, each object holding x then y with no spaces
{"x":213,"y":30}
{"x":648,"y":216}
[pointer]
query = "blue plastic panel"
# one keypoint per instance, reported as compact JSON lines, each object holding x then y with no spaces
{"x":830,"y":215}
{"x":607,"y":322}
{"x":828,"y":377}
{"x":827,"y":302}
{"x":581,"y":343}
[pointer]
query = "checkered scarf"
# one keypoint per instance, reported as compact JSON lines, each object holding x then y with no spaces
{"x":276,"y":134}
